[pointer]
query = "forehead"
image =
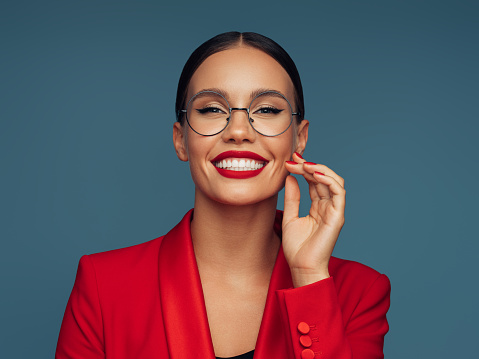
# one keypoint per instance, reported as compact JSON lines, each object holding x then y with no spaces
{"x":239,"y":72}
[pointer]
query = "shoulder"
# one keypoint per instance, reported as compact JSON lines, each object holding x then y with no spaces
{"x":129,"y":270}
{"x":118,"y":282}
{"x":129,"y":254}
{"x":125,"y":264}
{"x":354,"y":277}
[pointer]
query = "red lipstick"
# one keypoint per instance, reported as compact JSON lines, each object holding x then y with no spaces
{"x":243,"y":155}
{"x":239,"y":154}
{"x":239,"y":174}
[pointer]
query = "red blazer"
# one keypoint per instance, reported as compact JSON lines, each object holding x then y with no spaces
{"x":146,"y":301}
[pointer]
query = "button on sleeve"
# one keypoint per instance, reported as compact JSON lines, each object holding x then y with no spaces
{"x":307,"y":354}
{"x":305,"y":341}
{"x":303,"y":328}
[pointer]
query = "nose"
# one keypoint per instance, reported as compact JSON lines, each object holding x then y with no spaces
{"x":239,"y":129}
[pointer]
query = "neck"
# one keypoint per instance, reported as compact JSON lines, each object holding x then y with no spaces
{"x":237,"y":240}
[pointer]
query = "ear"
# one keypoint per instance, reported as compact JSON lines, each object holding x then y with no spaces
{"x":302,"y":136}
{"x":179,"y":141}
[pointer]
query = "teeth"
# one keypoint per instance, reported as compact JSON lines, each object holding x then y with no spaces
{"x":239,"y":164}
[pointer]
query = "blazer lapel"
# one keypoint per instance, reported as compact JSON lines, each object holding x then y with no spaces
{"x":181,"y":295}
{"x":272,"y":341}
{"x":183,"y":306}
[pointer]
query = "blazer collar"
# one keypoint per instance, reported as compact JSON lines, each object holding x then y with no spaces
{"x":183,"y":305}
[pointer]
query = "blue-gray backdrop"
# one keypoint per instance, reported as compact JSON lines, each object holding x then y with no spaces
{"x":87,"y":162}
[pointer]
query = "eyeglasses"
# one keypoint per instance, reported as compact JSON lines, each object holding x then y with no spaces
{"x":269,"y":113}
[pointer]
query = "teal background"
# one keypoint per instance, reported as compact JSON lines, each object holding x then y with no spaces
{"x":87,"y":162}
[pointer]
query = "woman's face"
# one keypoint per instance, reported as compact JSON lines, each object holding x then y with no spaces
{"x":239,"y":72}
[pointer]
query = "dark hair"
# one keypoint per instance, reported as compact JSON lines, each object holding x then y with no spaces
{"x":229,"y":40}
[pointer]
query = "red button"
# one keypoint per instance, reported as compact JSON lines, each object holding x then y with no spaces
{"x":303,"y":328}
{"x":307,"y":354}
{"x":305,"y":341}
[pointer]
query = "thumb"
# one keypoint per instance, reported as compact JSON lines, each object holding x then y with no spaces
{"x":292,"y":197}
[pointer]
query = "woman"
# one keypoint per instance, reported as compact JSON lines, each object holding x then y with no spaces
{"x":235,"y":276}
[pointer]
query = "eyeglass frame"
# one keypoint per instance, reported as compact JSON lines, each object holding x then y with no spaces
{"x":239,"y":109}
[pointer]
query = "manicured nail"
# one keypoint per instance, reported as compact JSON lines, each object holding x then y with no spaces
{"x":319,"y":173}
{"x":291,"y":163}
{"x":310,"y":163}
{"x":297,"y":154}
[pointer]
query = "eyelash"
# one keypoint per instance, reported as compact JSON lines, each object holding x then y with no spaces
{"x":274,"y":110}
{"x":208,"y":109}
{"x":204,"y":110}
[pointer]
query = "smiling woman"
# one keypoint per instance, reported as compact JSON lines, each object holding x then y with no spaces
{"x":235,"y":278}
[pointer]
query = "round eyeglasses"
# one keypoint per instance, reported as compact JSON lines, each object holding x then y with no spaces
{"x":269,"y":113}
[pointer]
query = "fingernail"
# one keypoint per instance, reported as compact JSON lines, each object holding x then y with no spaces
{"x":319,"y":173}
{"x":291,"y":163}
{"x":309,"y":163}
{"x":297,"y":154}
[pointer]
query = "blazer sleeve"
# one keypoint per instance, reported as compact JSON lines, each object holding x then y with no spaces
{"x":314,"y":318}
{"x":81,"y":333}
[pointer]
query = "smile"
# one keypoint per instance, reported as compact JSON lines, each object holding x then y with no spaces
{"x":239,"y":164}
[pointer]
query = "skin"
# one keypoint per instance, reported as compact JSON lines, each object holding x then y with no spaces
{"x":232,"y":229}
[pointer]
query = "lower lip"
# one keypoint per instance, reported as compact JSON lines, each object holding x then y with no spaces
{"x":239,"y":174}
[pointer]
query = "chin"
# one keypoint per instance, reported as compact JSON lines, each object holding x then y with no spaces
{"x":243,"y":197}
{"x":240,"y":192}
{"x":240,"y":201}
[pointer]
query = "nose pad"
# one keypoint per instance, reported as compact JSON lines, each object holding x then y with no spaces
{"x":241,"y":130}
{"x":240,"y":109}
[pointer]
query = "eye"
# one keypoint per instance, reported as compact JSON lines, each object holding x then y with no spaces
{"x":211,"y":109}
{"x":268,"y":110}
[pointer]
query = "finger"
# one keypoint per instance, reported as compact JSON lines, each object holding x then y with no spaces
{"x":312,"y":167}
{"x":297,"y":169}
{"x":321,"y":186}
{"x":292,"y":197}
{"x":336,"y":191}
{"x":317,"y":190}
{"x":318,"y":167}
{"x":298,"y":158}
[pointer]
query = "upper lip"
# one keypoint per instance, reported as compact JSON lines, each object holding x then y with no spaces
{"x":239,"y":154}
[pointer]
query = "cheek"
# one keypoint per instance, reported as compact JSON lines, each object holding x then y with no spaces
{"x":285,"y":146}
{"x":196,"y":147}
{"x":198,"y":150}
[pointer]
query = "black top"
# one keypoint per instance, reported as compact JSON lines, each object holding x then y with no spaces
{"x":248,"y":355}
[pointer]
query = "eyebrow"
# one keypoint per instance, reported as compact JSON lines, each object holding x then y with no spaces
{"x":252,"y":95}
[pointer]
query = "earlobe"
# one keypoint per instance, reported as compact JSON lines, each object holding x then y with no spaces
{"x":302,"y":136}
{"x":179,"y":141}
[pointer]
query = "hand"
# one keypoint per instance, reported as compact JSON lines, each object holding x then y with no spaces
{"x":308,"y":242}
